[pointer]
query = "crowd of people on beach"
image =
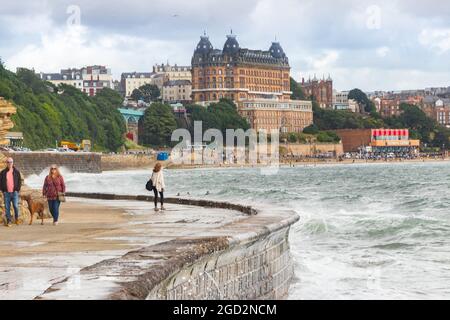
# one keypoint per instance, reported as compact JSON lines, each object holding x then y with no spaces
{"x":54,"y":190}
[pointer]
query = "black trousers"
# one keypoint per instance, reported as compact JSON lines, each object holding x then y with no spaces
{"x":155,"y":198}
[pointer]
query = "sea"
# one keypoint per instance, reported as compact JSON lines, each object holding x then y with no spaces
{"x":366,"y":231}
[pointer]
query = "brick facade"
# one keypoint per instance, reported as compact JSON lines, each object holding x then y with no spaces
{"x":321,"y":90}
{"x":239,"y":74}
{"x":258,"y":81}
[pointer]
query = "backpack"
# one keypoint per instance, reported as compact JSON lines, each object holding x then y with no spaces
{"x":149,"y":185}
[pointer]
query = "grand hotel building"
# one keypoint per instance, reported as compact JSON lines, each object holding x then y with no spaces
{"x":256,"y":80}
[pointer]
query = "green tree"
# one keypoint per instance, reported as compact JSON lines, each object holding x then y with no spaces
{"x":147,"y":93}
{"x":158,"y":125}
{"x":46,"y":113}
{"x":311,"y":129}
{"x":361,"y":98}
{"x":296,"y":89}
{"x":222,"y":115}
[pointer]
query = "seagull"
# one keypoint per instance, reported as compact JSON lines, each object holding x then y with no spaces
{"x":175,"y":15}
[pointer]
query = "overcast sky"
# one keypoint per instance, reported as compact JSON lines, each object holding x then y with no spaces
{"x":372,"y":45}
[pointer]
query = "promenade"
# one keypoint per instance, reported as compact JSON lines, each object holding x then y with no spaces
{"x":33,"y":258}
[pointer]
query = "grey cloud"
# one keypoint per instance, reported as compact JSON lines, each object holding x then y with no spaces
{"x":307,"y":29}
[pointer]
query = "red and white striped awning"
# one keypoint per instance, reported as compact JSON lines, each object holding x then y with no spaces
{"x":390,"y":132}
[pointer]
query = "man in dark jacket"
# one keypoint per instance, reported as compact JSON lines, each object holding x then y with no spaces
{"x":10,"y":184}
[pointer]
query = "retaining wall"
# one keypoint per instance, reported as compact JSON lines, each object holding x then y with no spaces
{"x":247,"y":259}
{"x":35,"y":162}
{"x":261,"y":269}
{"x":126,"y":161}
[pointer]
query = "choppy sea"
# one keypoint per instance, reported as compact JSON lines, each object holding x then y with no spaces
{"x":367,"y":231}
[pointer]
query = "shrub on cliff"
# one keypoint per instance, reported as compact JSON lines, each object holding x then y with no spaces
{"x":221,"y":115}
{"x":158,"y":125}
{"x":46,"y":113}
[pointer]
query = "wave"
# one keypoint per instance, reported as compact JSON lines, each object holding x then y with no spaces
{"x":357,"y":222}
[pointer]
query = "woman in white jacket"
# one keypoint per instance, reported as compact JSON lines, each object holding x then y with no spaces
{"x":158,"y":185}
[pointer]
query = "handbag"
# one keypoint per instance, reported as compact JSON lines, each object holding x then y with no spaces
{"x":149,"y":185}
{"x":61,"y":195}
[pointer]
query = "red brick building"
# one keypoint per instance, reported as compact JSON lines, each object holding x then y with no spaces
{"x":390,"y":107}
{"x":321,"y":90}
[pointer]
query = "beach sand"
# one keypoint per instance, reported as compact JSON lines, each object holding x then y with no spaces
{"x":304,"y":162}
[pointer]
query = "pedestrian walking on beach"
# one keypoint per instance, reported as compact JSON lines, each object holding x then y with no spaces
{"x":158,"y":185}
{"x":10,"y":184}
{"x":54,"y":190}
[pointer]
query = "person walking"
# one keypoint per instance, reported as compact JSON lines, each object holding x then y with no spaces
{"x":10,"y":184}
{"x":158,"y":185}
{"x":54,"y":189}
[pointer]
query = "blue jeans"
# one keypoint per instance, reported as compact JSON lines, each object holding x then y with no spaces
{"x":53,"y":206}
{"x":14,"y":197}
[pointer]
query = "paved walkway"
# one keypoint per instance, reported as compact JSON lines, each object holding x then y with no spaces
{"x":33,"y":258}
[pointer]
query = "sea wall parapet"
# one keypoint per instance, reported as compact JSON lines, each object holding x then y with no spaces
{"x":245,"y":259}
{"x":35,"y":162}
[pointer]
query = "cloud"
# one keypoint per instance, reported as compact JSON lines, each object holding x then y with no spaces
{"x":382,"y":51}
{"x":332,"y":37}
{"x":436,"y":39}
{"x":77,"y":46}
{"x":324,"y":61}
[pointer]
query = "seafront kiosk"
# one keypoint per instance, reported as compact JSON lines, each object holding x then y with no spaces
{"x":397,"y":141}
{"x":378,"y":141}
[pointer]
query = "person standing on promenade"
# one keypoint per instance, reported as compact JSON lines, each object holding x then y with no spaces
{"x":158,"y":185}
{"x":10,"y":184}
{"x":54,"y":189}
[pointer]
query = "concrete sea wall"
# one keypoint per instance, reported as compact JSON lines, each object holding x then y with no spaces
{"x":35,"y":162}
{"x":259,"y":269}
{"x":306,"y":149}
{"x":246,"y":259}
{"x":126,"y":161}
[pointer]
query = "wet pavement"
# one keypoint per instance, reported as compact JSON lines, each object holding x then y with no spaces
{"x":33,"y":258}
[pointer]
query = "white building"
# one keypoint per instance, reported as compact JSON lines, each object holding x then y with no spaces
{"x":174,"y":72}
{"x":130,"y":81}
{"x":88,"y":79}
{"x":177,"y":91}
{"x":342,"y":102}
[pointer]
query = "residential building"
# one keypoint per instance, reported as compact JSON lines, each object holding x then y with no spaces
{"x":129,"y":81}
{"x":174,"y":72}
{"x":441,"y":92}
{"x":437,"y":109}
{"x":88,"y":79}
{"x":177,"y":91}
{"x":390,"y":107}
{"x":256,"y":80}
{"x":320,"y":90}
{"x":342,"y":102}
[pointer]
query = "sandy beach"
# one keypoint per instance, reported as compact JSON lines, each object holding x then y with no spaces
{"x":305,"y":162}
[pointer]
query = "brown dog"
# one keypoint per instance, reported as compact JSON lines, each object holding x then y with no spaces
{"x":34,"y":206}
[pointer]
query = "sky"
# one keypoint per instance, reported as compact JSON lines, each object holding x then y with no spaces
{"x":371,"y":45}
